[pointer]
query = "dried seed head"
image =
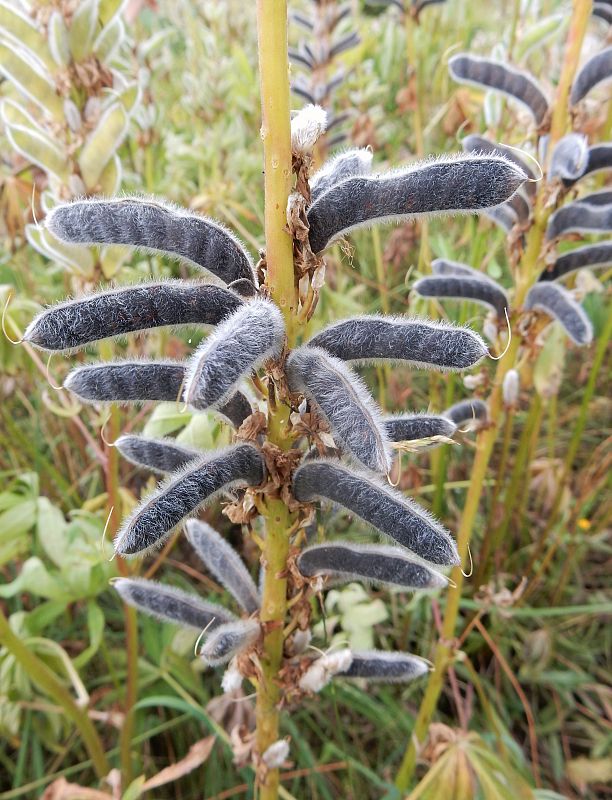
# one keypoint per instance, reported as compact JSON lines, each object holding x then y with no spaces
{"x":377,"y":563}
{"x":127,"y":381}
{"x":158,"y":455}
{"x":224,"y":563}
{"x":596,"y":70}
{"x":228,"y":640}
{"x":76,"y":323}
{"x":557,"y":302}
{"x":357,"y":161}
{"x":377,"y":504}
{"x":171,"y":604}
{"x":460,"y":184}
{"x":593,"y":256}
{"x":515,"y":83}
{"x":377,"y":665}
{"x":485,"y":292}
{"x":346,"y":403}
{"x":583,"y":216}
{"x":307,"y":126}
{"x":239,"y":345}
{"x":411,"y":427}
{"x":570,"y":157}
{"x":154,"y":225}
{"x":185,"y":492}
{"x":467,"y":411}
{"x":421,"y":343}
{"x":323,"y":669}
{"x":510,"y":388}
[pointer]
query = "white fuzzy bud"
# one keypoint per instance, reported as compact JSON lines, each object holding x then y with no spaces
{"x":511,"y":387}
{"x":232,"y":679}
{"x":321,"y":671}
{"x":276,"y":754}
{"x":306,"y":128}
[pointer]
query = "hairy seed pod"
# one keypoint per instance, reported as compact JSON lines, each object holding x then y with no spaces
{"x":422,"y":343}
{"x":346,"y":403}
{"x":510,"y":388}
{"x":185,"y":492}
{"x":460,"y":184}
{"x":485,"y":292}
{"x":301,"y":19}
{"x":244,"y":287}
{"x":377,"y":504}
{"x":413,"y":427}
{"x":569,"y":158}
{"x":443,"y":266}
{"x":504,"y":216}
{"x":603,"y":10}
{"x":76,"y":323}
{"x":229,"y":640}
{"x":580,"y":217}
{"x":378,"y":665}
{"x":127,"y":381}
{"x":520,"y":206}
{"x":466,"y":411}
{"x":599,"y":158}
{"x":596,"y":70}
{"x":171,"y":604}
{"x":300,"y":57}
{"x":515,"y":83}
{"x":154,"y":226}
{"x":236,"y":409}
{"x":357,"y":161}
{"x":598,"y":199}
{"x":224,"y":563}
{"x":323,"y":669}
{"x":239,"y":345}
{"x":375,"y":562}
{"x":557,"y":302}
{"x":158,"y":455}
{"x":480,"y":144}
{"x":593,"y":256}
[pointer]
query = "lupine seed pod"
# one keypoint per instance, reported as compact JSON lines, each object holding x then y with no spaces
{"x":593,"y":256}
{"x":422,"y":343}
{"x":185,"y":492}
{"x":323,"y":669}
{"x":127,"y":381}
{"x":157,"y":227}
{"x":515,"y":83}
{"x":378,"y":665}
{"x":510,"y":388}
{"x":377,"y":504}
{"x":229,"y":640}
{"x":569,"y":158}
{"x":161,"y":456}
{"x":171,"y":604}
{"x":599,"y":157}
{"x":603,"y":11}
{"x":378,"y":563}
{"x":411,"y":427}
{"x":580,"y":217}
{"x":485,"y":292}
{"x":224,"y":563}
{"x":460,"y":184}
{"x":346,"y":403}
{"x":250,"y":336}
{"x":480,"y":144}
{"x":236,"y":409}
{"x":466,"y":411}
{"x":443,"y":266}
{"x":601,"y":198}
{"x":357,"y":161}
{"x":244,"y":287}
{"x":504,"y":216}
{"x":596,"y":70}
{"x":557,"y":302}
{"x":76,"y":323}
{"x":520,"y":207}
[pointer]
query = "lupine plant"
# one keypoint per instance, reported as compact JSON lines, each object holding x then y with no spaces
{"x":307,"y":430}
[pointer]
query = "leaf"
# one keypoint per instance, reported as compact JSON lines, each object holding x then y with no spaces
{"x":165,"y":419}
{"x":583,"y":771}
{"x":51,"y":531}
{"x":35,"y":578}
{"x":17,"y":520}
{"x":546,"y":28}
{"x":197,"y":755}
{"x":95,"y":626}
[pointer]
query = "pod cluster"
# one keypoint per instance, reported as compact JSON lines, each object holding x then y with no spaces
{"x":246,"y":334}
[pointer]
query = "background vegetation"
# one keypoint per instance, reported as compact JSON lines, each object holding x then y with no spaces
{"x":526,"y":709}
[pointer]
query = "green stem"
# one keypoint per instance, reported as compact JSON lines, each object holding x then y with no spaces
{"x":280,"y":281}
{"x":40,"y":674}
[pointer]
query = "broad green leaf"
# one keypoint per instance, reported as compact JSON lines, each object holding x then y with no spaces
{"x":166,"y":418}
{"x":35,"y":578}
{"x":17,"y":520}
{"x":102,"y":143}
{"x":95,"y":626}
{"x":35,"y":83}
{"x":51,"y":531}
{"x":546,"y":28}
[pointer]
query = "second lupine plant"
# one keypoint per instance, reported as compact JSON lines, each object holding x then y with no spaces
{"x":339,"y":446}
